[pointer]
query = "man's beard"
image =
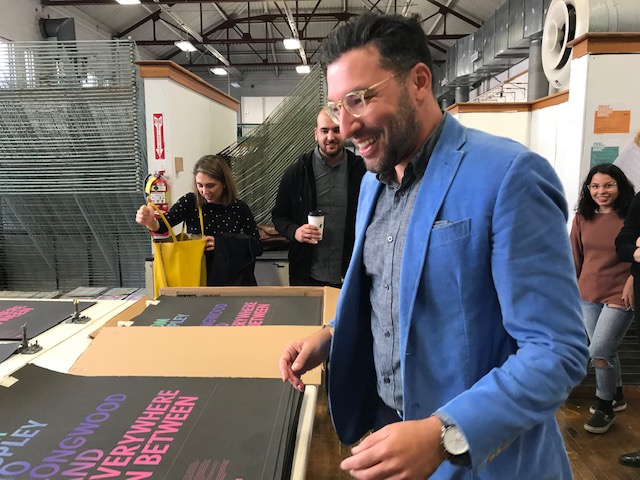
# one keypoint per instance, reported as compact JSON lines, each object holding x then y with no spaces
{"x":326,"y":153}
{"x":402,"y":130}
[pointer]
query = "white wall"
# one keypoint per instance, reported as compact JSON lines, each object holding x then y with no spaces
{"x":194,"y":125}
{"x":549,"y":138}
{"x":256,"y":84}
{"x":257,"y":109}
{"x":612,"y":83}
{"x":514,"y":125}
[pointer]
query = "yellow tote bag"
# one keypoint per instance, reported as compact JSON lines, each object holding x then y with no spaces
{"x":178,"y":261}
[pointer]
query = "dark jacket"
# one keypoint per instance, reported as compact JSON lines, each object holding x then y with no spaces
{"x":232,"y":261}
{"x":626,"y":247}
{"x":297,"y":195}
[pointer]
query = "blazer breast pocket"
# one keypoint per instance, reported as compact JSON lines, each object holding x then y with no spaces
{"x":445,"y":231}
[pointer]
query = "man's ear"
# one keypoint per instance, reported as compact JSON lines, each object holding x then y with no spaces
{"x":421,"y":80}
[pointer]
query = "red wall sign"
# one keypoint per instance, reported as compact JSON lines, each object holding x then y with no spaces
{"x":158,"y":136}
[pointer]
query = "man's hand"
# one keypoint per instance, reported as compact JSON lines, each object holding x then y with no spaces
{"x":301,"y":356}
{"x":307,"y":234}
{"x":408,"y":450}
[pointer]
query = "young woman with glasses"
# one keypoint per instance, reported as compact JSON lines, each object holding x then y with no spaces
{"x":605,"y":283}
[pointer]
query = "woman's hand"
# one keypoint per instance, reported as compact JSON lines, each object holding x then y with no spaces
{"x":627,"y":293}
{"x":210,"y":245}
{"x":146,"y":216}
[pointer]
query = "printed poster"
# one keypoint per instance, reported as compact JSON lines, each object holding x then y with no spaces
{"x":38,"y":316}
{"x":232,"y":311}
{"x":61,"y":426}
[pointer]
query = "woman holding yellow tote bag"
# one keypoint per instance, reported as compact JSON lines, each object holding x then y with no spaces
{"x":230,"y":237}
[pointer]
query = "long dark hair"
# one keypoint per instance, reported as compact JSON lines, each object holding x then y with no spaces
{"x":401,"y":41}
{"x":216,"y":167}
{"x":587,"y":206}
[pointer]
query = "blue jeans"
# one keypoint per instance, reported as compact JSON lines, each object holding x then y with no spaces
{"x":606,"y":327}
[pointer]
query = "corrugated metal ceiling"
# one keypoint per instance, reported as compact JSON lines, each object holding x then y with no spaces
{"x":249,"y":34}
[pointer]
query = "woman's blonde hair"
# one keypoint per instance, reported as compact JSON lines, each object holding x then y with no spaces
{"x":217,"y":168}
{"x":636,"y":139}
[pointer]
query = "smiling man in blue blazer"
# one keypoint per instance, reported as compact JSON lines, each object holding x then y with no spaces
{"x":458,"y":331}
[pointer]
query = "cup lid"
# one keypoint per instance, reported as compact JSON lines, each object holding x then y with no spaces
{"x":316,"y":213}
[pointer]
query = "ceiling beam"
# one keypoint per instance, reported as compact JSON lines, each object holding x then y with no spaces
{"x":61,"y":3}
{"x":269,"y":40}
{"x":152,"y":16}
{"x":444,"y":9}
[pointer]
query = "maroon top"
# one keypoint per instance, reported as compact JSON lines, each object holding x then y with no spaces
{"x":601,"y":276}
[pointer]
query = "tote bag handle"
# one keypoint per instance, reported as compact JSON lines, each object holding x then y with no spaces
{"x":166,"y":222}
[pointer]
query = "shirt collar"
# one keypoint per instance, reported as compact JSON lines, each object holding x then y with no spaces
{"x":418,"y":164}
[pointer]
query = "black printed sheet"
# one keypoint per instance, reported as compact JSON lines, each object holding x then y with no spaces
{"x":38,"y":316}
{"x":56,"y":425}
{"x":232,"y":311}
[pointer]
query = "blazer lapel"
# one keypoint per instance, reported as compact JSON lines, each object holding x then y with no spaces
{"x":439,"y":175}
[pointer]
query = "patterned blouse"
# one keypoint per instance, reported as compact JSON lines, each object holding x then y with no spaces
{"x":235,"y":218}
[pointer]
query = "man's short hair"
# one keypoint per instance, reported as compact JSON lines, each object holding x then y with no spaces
{"x":401,"y":41}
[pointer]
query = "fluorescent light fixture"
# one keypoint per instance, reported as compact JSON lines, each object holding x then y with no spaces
{"x":291,"y":43}
{"x":235,"y":85}
{"x":218,"y":71}
{"x":185,"y":46}
{"x":303,"y":69}
{"x":128,"y":2}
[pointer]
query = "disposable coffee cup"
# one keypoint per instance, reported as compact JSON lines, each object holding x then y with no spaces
{"x":316,"y":218}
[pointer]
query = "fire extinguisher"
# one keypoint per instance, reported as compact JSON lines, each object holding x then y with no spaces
{"x":157,"y":189}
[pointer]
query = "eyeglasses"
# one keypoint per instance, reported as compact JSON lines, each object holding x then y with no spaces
{"x":354,"y":102}
{"x":606,"y":186}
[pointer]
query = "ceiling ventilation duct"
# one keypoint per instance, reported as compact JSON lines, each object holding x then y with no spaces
{"x":466,"y":56}
{"x":439,"y":80}
{"x":569,"y":19}
{"x":492,"y":62}
{"x":534,"y":14}
{"x":64,"y":29}
{"x":509,"y":39}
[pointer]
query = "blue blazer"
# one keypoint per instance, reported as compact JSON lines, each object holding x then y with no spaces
{"x":491,"y":334}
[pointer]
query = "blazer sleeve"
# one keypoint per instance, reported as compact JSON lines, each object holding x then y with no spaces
{"x":535,"y":283}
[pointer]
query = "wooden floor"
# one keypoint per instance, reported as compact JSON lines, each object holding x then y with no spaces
{"x":593,"y":457}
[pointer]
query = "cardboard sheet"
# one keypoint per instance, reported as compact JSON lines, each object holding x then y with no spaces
{"x":136,"y":309}
{"x":192,"y":352}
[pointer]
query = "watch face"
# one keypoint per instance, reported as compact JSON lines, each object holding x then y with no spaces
{"x":454,"y":441}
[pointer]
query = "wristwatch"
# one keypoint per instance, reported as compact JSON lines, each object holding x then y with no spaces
{"x":455,"y":444}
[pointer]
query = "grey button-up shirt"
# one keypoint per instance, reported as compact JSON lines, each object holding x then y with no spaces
{"x":331,"y":196}
{"x":382,"y":257}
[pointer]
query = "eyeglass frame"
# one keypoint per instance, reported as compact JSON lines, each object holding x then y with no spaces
{"x":607,"y":186}
{"x":361,"y":94}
